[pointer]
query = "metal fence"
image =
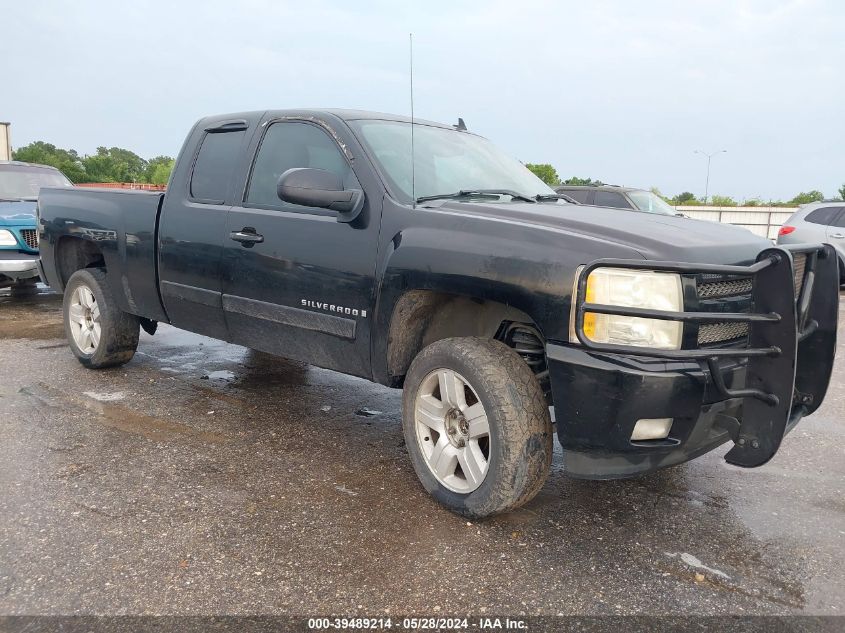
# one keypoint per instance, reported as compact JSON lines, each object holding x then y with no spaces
{"x":764,"y":221}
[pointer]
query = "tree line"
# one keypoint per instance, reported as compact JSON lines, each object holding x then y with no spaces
{"x":115,"y":164}
{"x":108,"y":164}
{"x":549,"y":175}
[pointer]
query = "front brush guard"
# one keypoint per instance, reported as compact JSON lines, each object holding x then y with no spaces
{"x":791,"y":343}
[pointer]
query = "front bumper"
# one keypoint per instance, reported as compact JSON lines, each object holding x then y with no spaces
{"x":18,"y":265}
{"x":752,"y":395}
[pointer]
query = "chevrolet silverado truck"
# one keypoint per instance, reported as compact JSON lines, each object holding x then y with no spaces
{"x":19,"y":186}
{"x":419,"y":256}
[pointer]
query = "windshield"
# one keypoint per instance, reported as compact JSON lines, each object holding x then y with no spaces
{"x":446,"y":161}
{"x":22,"y":181}
{"x":650,"y":203}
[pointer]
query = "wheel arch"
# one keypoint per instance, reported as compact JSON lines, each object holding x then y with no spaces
{"x":422,"y":316}
{"x":73,"y":253}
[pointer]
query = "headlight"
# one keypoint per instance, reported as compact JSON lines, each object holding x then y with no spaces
{"x":7,"y":239}
{"x":631,"y":289}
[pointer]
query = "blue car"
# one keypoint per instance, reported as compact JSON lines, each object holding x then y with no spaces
{"x":19,"y":186}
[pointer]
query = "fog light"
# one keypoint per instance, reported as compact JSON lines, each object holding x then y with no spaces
{"x":651,"y":429}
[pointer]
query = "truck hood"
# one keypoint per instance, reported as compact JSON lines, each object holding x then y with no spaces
{"x":17,"y":213}
{"x":655,"y":237}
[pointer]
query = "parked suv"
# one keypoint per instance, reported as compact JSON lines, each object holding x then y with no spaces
{"x":818,"y":222}
{"x":618,"y":198}
{"x":19,"y":187}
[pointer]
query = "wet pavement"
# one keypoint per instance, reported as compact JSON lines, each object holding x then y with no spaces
{"x":205,"y":478}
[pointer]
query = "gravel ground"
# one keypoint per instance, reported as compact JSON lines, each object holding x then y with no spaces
{"x":205,"y":478}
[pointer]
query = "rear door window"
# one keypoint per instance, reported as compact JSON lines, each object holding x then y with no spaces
{"x":215,"y":166}
{"x":611,"y":199}
{"x":825,"y":215}
{"x":839,"y":220}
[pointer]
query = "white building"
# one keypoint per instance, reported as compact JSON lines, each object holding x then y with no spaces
{"x":764,"y":221}
{"x":5,"y":141}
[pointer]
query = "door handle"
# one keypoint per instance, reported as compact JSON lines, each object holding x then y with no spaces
{"x":838,"y":236}
{"x":247,"y":237}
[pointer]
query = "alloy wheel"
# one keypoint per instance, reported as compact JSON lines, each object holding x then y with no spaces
{"x":452,"y":430}
{"x":84,"y":317}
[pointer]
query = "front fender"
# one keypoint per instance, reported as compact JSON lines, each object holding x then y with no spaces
{"x":505,"y":269}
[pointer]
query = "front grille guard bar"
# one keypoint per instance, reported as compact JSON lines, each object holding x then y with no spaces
{"x":777,"y":325}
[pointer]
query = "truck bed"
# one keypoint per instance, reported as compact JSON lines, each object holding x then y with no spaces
{"x":121,"y":224}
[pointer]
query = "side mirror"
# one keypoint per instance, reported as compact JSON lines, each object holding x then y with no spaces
{"x":311,"y":187}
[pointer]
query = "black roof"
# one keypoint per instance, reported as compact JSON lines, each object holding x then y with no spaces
{"x":340,"y":113}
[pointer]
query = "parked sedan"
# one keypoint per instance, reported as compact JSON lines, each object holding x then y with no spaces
{"x":19,"y":186}
{"x":818,"y":222}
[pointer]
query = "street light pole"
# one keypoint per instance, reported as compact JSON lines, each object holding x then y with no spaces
{"x":707,"y":180}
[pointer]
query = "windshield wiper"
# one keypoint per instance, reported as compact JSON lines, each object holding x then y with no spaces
{"x":543,"y":197}
{"x":477,"y":193}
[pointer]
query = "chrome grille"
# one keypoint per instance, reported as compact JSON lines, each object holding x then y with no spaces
{"x":718,"y":287}
{"x":30,"y":238}
{"x":724,"y":288}
{"x":715,"y":287}
{"x":721,"y":332}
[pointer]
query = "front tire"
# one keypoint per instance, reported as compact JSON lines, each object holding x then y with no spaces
{"x":476,"y":425}
{"x":100,"y":334}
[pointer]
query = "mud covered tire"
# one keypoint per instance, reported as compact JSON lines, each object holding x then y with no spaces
{"x":519,"y":448}
{"x":118,"y":331}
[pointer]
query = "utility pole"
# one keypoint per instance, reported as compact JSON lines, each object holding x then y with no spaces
{"x":707,"y":180}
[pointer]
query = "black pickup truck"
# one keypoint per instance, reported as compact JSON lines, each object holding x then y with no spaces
{"x":465,"y":280}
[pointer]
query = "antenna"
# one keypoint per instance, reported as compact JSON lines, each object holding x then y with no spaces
{"x":413,"y":171}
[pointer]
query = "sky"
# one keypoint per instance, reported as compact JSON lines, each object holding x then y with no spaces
{"x":621,"y":91}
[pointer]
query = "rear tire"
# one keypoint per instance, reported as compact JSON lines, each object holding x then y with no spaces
{"x":100,"y":334}
{"x":476,"y":425}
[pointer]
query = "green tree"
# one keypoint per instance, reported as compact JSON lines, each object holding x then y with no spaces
{"x":544,"y":172}
{"x":842,"y":191}
{"x":582,"y":182}
{"x":115,"y":164}
{"x":685,"y":198}
{"x":66,"y":161}
{"x":805,"y":197}
{"x":722,"y":201}
{"x":752,"y":202}
{"x":158,"y":170}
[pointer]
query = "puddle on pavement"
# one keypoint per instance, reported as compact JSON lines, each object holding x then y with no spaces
{"x":32,"y":331}
{"x":172,"y":346}
{"x":35,"y":317}
{"x":122,"y":418}
{"x":220,"y":374}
